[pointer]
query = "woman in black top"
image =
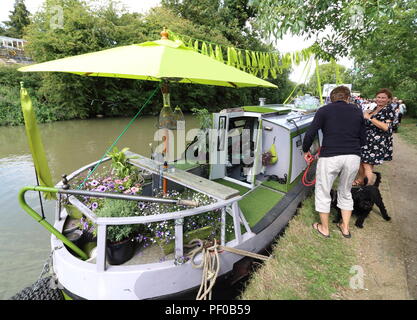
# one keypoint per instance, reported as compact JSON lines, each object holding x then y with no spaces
{"x":378,"y":147}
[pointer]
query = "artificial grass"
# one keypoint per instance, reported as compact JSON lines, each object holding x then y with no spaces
{"x":275,"y":185}
{"x":242,"y":190}
{"x":257,"y":203}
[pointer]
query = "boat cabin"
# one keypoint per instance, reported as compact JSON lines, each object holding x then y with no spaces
{"x":259,"y":143}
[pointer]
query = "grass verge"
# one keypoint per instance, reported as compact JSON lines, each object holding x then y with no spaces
{"x":304,"y":264}
{"x":408,"y":130}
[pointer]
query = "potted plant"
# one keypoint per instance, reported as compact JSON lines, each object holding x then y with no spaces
{"x":119,"y":162}
{"x":120,"y":238}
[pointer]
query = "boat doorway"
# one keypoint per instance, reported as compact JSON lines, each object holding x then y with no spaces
{"x":238,"y":147}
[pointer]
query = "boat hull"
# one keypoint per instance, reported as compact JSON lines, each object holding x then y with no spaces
{"x":166,"y":280}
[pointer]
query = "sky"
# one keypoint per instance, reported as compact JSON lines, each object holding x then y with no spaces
{"x":287,"y":44}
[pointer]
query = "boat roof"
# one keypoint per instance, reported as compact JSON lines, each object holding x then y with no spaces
{"x":292,"y":121}
{"x":267,"y":109}
{"x":284,"y":115}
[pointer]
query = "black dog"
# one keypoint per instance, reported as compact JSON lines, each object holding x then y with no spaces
{"x":364,"y":199}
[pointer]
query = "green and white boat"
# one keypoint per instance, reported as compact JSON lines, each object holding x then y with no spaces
{"x":252,"y":179}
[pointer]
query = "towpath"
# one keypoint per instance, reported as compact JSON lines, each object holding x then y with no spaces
{"x":401,"y":174}
{"x":387,"y":251}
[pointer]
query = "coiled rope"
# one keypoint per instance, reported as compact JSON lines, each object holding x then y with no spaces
{"x":210,"y":262}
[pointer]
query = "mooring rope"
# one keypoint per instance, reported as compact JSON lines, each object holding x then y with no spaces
{"x":210,"y":262}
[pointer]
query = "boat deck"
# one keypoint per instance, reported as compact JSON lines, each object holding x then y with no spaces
{"x":185,"y":178}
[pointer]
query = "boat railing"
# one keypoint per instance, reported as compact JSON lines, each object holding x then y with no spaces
{"x":227,"y":206}
{"x":103,"y":222}
{"x":177,"y":216}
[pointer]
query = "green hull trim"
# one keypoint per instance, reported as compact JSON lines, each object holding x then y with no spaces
{"x":66,"y":297}
{"x":259,"y":109}
{"x":43,"y":222}
{"x":298,"y":132}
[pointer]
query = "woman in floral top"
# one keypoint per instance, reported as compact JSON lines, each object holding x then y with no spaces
{"x":378,"y":147}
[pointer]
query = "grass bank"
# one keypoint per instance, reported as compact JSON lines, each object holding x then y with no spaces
{"x":304,"y":265}
{"x":408,"y":130}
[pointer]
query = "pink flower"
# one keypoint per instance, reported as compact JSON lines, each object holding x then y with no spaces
{"x":134,"y":189}
{"x":127,"y":191}
{"x":126,"y":179}
{"x":118,"y":181}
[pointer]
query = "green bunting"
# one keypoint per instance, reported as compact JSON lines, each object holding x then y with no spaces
{"x":264,"y":64}
{"x":204,"y":49}
{"x":219,"y":54}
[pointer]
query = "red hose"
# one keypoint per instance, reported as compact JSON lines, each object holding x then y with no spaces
{"x":310,"y":162}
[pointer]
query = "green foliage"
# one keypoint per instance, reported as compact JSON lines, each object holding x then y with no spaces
{"x":18,"y":20}
{"x":204,"y":117}
{"x":10,"y":108}
{"x":11,"y":113}
{"x":384,"y":59}
{"x":61,"y":96}
{"x":119,"y":208}
{"x":327,"y":75}
{"x":119,"y":162}
{"x":352,"y":21}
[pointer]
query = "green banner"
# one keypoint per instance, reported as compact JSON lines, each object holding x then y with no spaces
{"x":35,"y":143}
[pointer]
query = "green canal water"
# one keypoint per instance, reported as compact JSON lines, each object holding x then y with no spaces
{"x":69,"y":145}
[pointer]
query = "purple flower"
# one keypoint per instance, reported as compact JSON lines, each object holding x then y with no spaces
{"x":141,"y":205}
{"x":94,"y":183}
{"x":94,"y":205}
{"x":121,"y":188}
{"x":101,"y":188}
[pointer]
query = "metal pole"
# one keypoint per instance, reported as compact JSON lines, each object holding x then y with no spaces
{"x":40,"y":196}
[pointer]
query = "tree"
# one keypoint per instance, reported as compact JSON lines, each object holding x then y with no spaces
{"x":344,"y":22}
{"x":386,"y":59}
{"x":327,"y":74}
{"x":18,"y":20}
{"x":84,"y":30}
{"x":230,"y":17}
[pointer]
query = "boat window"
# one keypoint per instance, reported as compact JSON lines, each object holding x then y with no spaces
{"x":239,"y":123}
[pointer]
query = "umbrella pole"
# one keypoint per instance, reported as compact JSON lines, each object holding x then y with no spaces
{"x":165,"y":93}
{"x":164,"y":181}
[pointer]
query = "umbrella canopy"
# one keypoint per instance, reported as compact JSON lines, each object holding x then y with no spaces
{"x":155,"y":60}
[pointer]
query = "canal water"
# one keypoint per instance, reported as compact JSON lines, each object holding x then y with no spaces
{"x":69,"y":145}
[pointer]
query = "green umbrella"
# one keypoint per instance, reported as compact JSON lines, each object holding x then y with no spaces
{"x":155,"y":60}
